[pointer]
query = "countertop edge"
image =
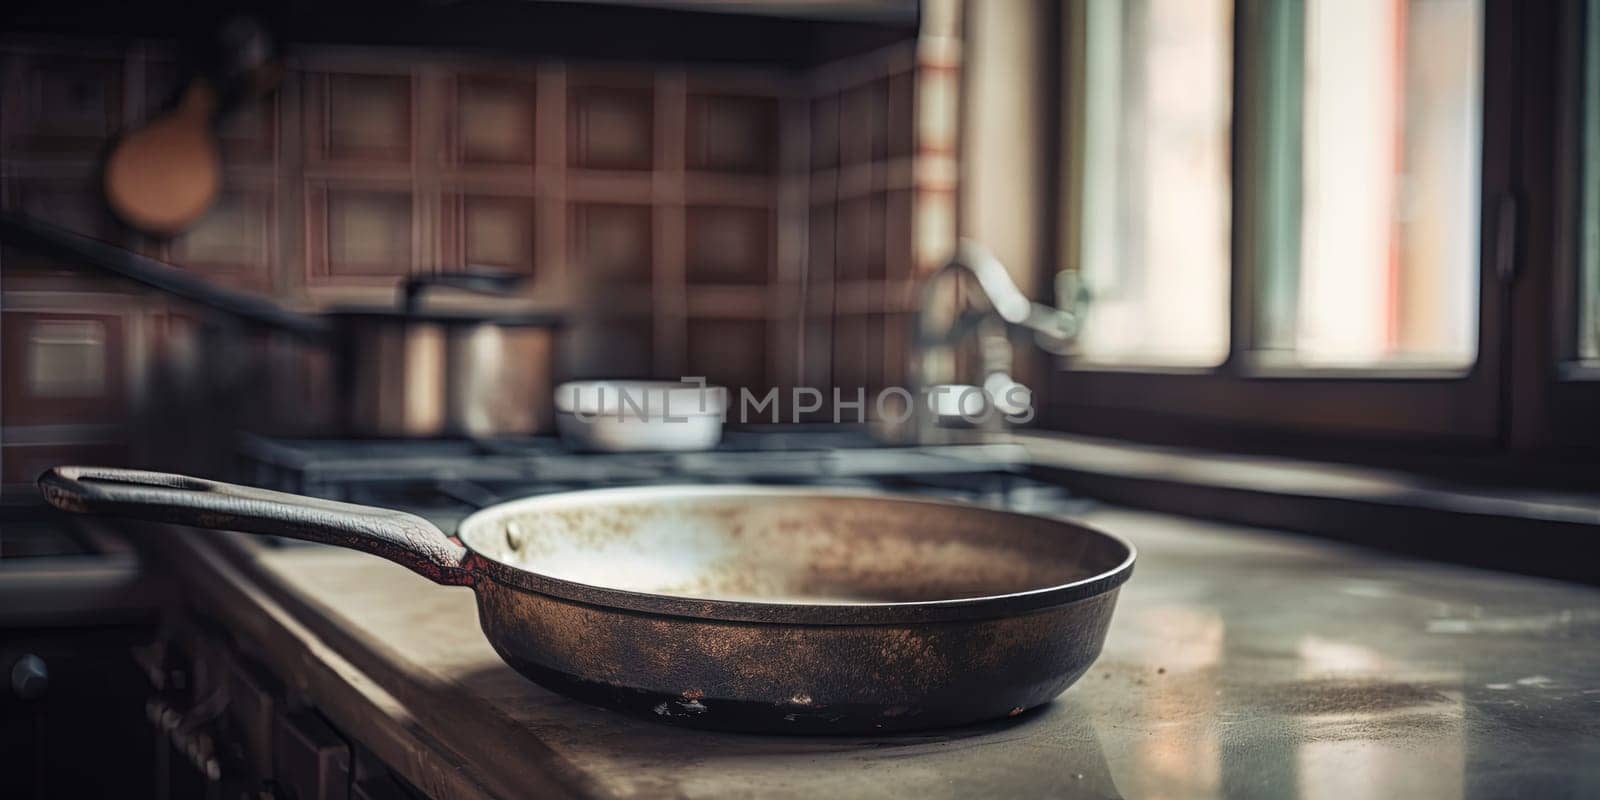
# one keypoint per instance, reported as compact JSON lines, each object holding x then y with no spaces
{"x":303,"y":650}
{"x":1385,"y":509}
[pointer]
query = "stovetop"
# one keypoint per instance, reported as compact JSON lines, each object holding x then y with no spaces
{"x":446,"y":479}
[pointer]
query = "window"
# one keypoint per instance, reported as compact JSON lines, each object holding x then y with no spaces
{"x":1374,"y":115}
{"x":1588,"y":333}
{"x":1388,"y":233}
{"x":1273,"y":216}
{"x":1156,"y":198}
{"x":1553,"y":409}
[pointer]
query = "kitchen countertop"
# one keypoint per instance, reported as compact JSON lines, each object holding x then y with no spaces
{"x":1239,"y":663}
{"x":1390,"y":509}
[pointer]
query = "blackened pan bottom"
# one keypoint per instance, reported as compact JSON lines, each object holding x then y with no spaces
{"x":755,"y":717}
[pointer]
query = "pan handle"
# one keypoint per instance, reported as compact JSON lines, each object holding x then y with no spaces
{"x":403,"y":538}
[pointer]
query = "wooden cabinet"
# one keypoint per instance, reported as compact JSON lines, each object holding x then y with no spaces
{"x":494,"y":230}
{"x":494,"y":120}
{"x":358,"y":118}
{"x":65,"y":195}
{"x":357,"y":233}
{"x":612,"y":244}
{"x":611,"y":127}
{"x":60,"y":103}
{"x":729,"y":244}
{"x":729,"y":352}
{"x":63,"y":367}
{"x":249,"y":133}
{"x":692,"y":218}
{"x":235,"y":242}
{"x":732,"y":133}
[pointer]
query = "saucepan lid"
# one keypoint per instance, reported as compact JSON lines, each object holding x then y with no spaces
{"x":482,"y":280}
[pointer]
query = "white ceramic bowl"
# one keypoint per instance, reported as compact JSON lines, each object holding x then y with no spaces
{"x":639,"y":416}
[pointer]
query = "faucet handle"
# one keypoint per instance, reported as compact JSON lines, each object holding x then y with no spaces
{"x":1008,"y":396}
{"x":1072,"y":308}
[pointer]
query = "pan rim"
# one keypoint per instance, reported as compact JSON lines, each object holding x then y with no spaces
{"x":881,"y":613}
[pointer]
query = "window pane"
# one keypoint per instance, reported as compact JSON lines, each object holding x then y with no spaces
{"x":1589,"y":249}
{"x":1155,"y":210}
{"x":1389,"y":198}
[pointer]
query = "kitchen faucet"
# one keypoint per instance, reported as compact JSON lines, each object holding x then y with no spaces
{"x":1002,"y":307}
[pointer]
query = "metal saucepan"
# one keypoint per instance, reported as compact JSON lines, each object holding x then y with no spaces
{"x":743,"y":608}
{"x":407,"y":369}
{"x":415,"y":371}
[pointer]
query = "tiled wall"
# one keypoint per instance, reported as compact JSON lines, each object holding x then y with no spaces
{"x":757,"y":227}
{"x":881,"y":207}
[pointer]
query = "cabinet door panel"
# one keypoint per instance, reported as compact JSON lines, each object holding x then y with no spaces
{"x":498,"y":232}
{"x":611,"y":128}
{"x":359,"y":118}
{"x":63,"y":104}
{"x":494,"y":120}
{"x":612,"y":243}
{"x":732,"y":134}
{"x":729,"y":245}
{"x":63,"y":368}
{"x":233,"y":242}
{"x":730,"y":353}
{"x":359,"y":234}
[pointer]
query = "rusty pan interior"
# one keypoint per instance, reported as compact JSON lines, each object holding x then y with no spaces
{"x":789,"y":546}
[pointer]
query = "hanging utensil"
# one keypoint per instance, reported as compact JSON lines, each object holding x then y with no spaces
{"x":161,"y":178}
{"x":164,"y":176}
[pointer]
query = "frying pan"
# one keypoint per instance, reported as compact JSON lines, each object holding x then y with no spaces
{"x":791,"y":610}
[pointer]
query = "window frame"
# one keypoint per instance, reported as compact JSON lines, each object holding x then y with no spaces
{"x":1554,"y":393}
{"x":1246,"y":402}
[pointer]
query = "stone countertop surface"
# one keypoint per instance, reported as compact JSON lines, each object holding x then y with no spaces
{"x":1240,"y":663}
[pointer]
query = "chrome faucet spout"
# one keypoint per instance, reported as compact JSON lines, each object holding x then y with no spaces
{"x":1001,"y":296}
{"x":999,"y":307}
